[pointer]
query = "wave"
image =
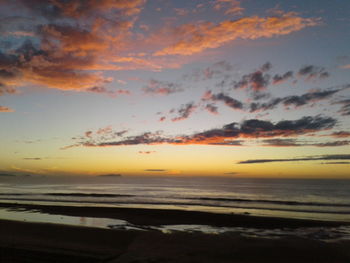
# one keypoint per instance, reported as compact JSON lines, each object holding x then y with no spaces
{"x":181,"y":204}
{"x":218,"y":199}
{"x":66,"y":194}
{"x":280,"y":202}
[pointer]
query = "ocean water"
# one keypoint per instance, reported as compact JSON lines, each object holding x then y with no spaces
{"x":291,"y":198}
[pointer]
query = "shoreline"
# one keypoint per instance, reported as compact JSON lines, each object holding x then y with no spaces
{"x":157,"y":217}
{"x":42,"y":242}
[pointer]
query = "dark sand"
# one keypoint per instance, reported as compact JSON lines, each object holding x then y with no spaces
{"x":37,"y":242}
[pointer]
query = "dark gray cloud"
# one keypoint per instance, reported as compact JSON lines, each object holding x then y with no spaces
{"x":336,"y":163}
{"x":155,"y":170}
{"x":260,"y":79}
{"x":311,"y":158}
{"x":278,"y":79}
{"x":295,"y":101}
{"x":255,"y":128}
{"x":259,"y":128}
{"x":229,"y":134}
{"x":333,"y":144}
{"x":185,"y":111}
{"x":229,"y":101}
{"x":281,"y":142}
{"x":345,"y":107}
{"x":256,"y":81}
{"x":32,"y":159}
{"x":312,"y":72}
{"x":294,"y":143}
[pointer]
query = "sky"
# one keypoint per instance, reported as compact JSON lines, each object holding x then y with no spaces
{"x":241,"y":88}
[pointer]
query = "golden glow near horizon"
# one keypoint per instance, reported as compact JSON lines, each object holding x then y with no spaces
{"x":216,"y":88}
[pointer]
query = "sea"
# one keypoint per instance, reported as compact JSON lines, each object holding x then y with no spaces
{"x":318,"y":199}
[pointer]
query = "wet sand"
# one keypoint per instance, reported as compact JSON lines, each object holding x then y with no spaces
{"x":156,"y":217}
{"x":38,"y":242}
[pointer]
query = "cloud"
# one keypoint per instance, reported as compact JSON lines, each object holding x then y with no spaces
{"x":69,"y":44}
{"x":103,"y":90}
{"x":230,"y":134}
{"x":281,"y":142}
{"x":293,"y":143}
{"x":231,"y":7}
{"x":345,"y":66}
{"x":312,"y":72}
{"x":333,"y":144}
{"x":345,"y":108}
{"x":212,"y":109}
{"x":311,"y":158}
{"x":181,"y":11}
{"x":161,"y":87}
{"x":340,"y":134}
{"x":230,"y":102}
{"x":256,"y":81}
{"x":213,"y":71}
{"x":195,"y":38}
{"x":146,"y":152}
{"x":32,"y":159}
{"x":105,"y":130}
{"x":5,"y":109}
{"x":76,"y":8}
{"x":336,"y":163}
{"x":185,"y":111}
{"x":155,"y":170}
{"x":279,"y":79}
{"x":295,"y":100}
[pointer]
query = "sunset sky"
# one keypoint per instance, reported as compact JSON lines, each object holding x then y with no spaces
{"x":242,"y":88}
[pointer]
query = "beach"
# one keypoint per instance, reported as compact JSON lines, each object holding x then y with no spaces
{"x":44,"y":242}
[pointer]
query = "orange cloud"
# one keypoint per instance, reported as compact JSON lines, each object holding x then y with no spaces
{"x":5,"y":109}
{"x":195,"y":38}
{"x":67,"y":56}
{"x":232,"y":7}
{"x":345,"y":66}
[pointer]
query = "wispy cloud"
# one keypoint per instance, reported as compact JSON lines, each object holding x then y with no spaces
{"x":340,"y":134}
{"x":347,"y":66}
{"x":311,"y":158}
{"x":157,"y":87}
{"x":146,"y":152}
{"x":197,"y":37}
{"x":345,"y":106}
{"x":294,"y":143}
{"x":230,"y":7}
